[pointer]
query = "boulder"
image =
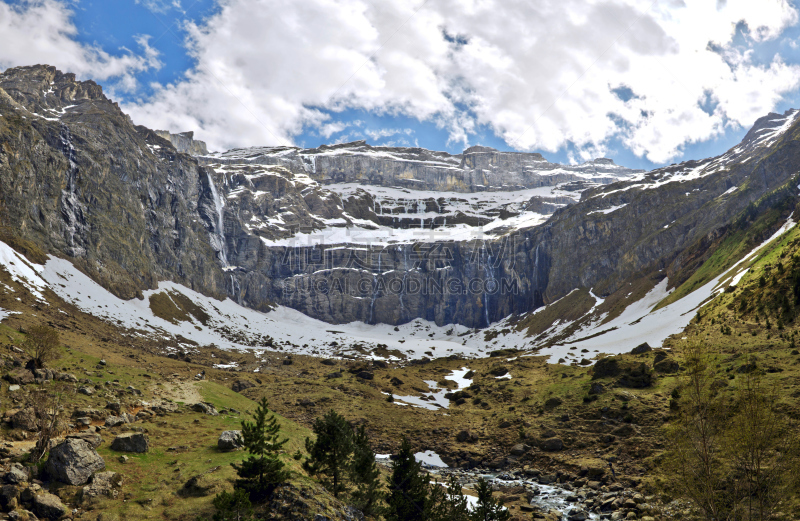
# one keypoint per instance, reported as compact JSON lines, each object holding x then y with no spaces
{"x":73,"y":462}
{"x":466,"y":437}
{"x":519,"y":449}
{"x":114,"y":421}
{"x":103,"y":484}
{"x":667,"y":365}
{"x":92,"y":438}
{"x":9,"y":495}
{"x":88,"y":391}
{"x":25,"y":419}
{"x":20,"y":376}
{"x":240,"y":385}
{"x":365,"y":375}
{"x":637,"y":377}
{"x":552,"y":444}
{"x":205,"y":408}
{"x":16,"y":476}
{"x":605,"y":367}
{"x":130,"y":442}
{"x":641,"y":349}
{"x":230,"y":440}
{"x":596,"y":388}
{"x":553,"y":402}
{"x":114,"y":407}
{"x":49,"y":506}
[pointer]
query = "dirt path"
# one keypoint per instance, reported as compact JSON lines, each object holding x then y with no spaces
{"x":186,"y":391}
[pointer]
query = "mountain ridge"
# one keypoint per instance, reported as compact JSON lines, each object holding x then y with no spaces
{"x":256,"y":225}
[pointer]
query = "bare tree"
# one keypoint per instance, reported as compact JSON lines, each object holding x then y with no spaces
{"x":697,"y":437}
{"x":48,"y":404}
{"x":42,"y":345}
{"x":763,"y":449}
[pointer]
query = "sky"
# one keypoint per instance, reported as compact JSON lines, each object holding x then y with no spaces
{"x":645,"y":83}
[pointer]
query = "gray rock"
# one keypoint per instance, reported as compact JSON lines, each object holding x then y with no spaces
{"x":230,"y":440}
{"x":16,"y":476}
{"x":49,"y":506}
{"x":130,"y":442}
{"x":641,"y":349}
{"x":240,"y":385}
{"x":519,"y":449}
{"x":103,"y":484}
{"x":552,"y":444}
{"x":9,"y":495}
{"x":73,"y":462}
{"x":114,"y":421}
{"x":92,"y":438}
{"x":205,"y":408}
{"x":25,"y":419}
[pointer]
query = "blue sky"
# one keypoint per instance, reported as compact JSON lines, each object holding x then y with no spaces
{"x":644,"y":84}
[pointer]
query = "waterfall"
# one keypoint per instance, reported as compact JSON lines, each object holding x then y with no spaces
{"x":218,"y":238}
{"x":488,"y":274}
{"x":71,"y":210}
{"x":374,"y":290}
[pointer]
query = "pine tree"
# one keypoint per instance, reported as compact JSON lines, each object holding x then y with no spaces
{"x":329,"y":455}
{"x":408,"y":488}
{"x":233,"y":507}
{"x":488,"y":508}
{"x":364,"y":474}
{"x":263,"y":470}
{"x":447,"y":504}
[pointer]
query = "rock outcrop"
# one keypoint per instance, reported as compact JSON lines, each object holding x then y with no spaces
{"x":73,"y":462}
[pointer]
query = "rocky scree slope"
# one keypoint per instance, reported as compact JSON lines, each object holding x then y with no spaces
{"x":79,"y":179}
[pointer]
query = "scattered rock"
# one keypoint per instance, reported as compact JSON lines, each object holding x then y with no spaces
{"x":466,"y":437}
{"x":123,"y":459}
{"x":519,"y":449}
{"x":230,"y":440}
{"x":25,"y":419}
{"x":8,"y":497}
{"x":49,"y":506}
{"x":16,"y":476}
{"x":205,"y":408}
{"x":240,"y":385}
{"x":20,"y":376}
{"x":88,"y":391}
{"x":596,"y":388}
{"x":498,"y":371}
{"x":552,"y":444}
{"x":103,"y":484}
{"x":667,"y":365}
{"x":366,"y":375}
{"x":114,"y":421}
{"x":605,"y":367}
{"x":73,"y":462}
{"x":130,"y":442}
{"x":553,"y":402}
{"x":92,"y":438}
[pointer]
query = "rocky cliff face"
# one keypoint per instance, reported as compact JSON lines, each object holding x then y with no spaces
{"x":184,"y":142}
{"x":351,"y":232}
{"x":80,"y":180}
{"x":476,"y":169}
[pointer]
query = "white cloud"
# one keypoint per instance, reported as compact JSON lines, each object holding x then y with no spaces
{"x":539,"y":74}
{"x":387,"y":132}
{"x":160,"y":6}
{"x":42,"y":32}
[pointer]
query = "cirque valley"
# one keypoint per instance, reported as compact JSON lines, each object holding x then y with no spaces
{"x":372,"y":281}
